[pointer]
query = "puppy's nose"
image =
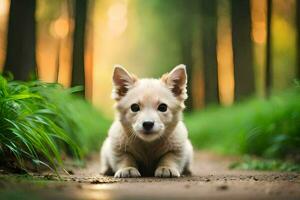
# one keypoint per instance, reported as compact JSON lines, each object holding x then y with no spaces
{"x":148,"y":125}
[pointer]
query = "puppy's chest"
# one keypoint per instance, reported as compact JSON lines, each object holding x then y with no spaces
{"x":147,"y":157}
{"x":150,"y":154}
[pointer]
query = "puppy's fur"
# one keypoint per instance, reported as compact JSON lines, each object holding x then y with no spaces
{"x":165,"y":150}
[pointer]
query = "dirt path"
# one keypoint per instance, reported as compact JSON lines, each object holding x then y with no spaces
{"x":211,"y":179}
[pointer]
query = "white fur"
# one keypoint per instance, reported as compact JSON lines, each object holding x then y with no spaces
{"x":128,"y":151}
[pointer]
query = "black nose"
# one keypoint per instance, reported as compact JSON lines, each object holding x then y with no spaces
{"x":148,"y":125}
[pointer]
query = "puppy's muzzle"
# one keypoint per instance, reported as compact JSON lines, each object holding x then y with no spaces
{"x":148,"y":126}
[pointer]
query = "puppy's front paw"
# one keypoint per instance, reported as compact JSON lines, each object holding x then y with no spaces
{"x":166,"y":172}
{"x":127,"y":172}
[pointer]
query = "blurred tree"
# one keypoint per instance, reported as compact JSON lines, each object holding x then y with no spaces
{"x":20,"y":53}
{"x":208,"y":10}
{"x":298,"y":37}
{"x":242,"y":49}
{"x":268,"y":78}
{"x":80,"y":12}
{"x":186,"y":44}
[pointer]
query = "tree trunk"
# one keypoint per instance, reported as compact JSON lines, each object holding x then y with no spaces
{"x":186,"y":44}
{"x":20,"y":52}
{"x":298,"y":38}
{"x":268,"y":80}
{"x":78,"y":75}
{"x":242,"y":49}
{"x":186,"y":49}
{"x":209,"y":48}
{"x":185,"y":39}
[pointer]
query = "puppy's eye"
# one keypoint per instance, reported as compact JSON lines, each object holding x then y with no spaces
{"x":162,"y":107}
{"x":135,"y":107}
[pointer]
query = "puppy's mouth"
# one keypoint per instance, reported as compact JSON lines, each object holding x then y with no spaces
{"x":150,"y":132}
{"x":148,"y":135}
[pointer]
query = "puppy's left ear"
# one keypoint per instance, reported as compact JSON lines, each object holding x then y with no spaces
{"x":176,"y":80}
{"x":122,"y":81}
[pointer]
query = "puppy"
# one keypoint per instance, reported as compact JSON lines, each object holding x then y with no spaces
{"x":148,"y":137}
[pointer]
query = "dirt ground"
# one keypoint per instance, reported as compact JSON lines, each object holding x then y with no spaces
{"x":211,"y":180}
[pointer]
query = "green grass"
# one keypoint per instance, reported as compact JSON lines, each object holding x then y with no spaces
{"x":249,"y":163}
{"x":267,"y":128}
{"x":42,"y":122}
{"x":81,"y":121}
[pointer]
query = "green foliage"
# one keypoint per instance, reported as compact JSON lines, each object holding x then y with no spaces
{"x":83,"y":123}
{"x":249,"y":163}
{"x":268,"y":128}
{"x":38,"y":122}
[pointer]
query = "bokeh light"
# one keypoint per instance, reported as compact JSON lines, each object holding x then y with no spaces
{"x":117,"y":18}
{"x":4,"y":7}
{"x":60,"y":28}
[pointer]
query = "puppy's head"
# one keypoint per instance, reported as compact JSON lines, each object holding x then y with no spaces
{"x":150,"y":108}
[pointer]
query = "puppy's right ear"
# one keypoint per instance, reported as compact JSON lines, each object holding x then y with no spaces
{"x":176,"y":80}
{"x":122,"y":81}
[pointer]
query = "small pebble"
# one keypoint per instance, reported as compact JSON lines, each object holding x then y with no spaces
{"x":50,"y":177}
{"x":71,"y":172}
{"x":222,"y":187}
{"x":95,"y":181}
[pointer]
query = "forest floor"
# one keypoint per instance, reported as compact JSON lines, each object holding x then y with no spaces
{"x":211,"y":180}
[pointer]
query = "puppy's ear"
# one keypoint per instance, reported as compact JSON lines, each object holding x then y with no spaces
{"x":176,"y":80}
{"x":122,"y":81}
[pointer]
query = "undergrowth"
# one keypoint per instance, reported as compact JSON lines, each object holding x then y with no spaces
{"x":269,"y":128}
{"x":41,"y":123}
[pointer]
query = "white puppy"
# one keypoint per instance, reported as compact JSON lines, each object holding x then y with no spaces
{"x":148,"y":137}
